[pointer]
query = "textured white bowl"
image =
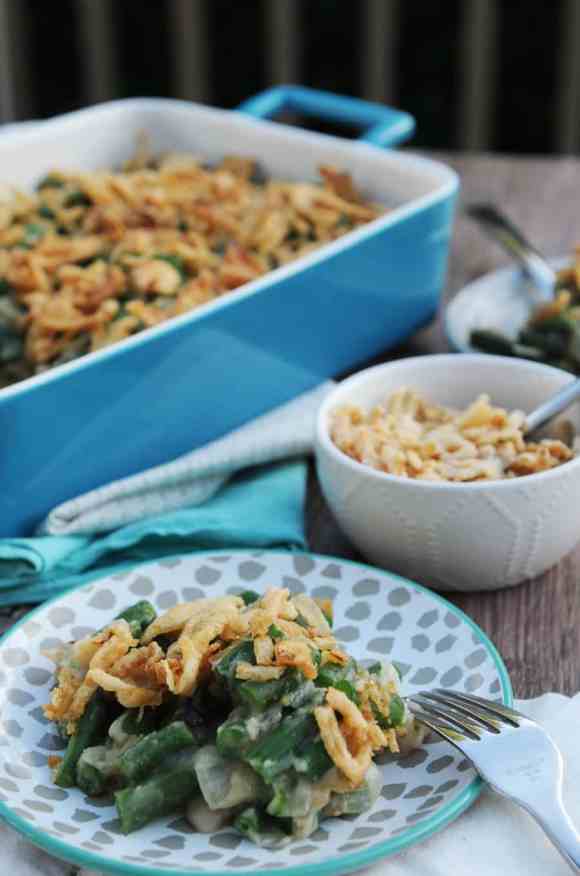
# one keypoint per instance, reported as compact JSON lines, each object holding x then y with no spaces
{"x":476,"y":536}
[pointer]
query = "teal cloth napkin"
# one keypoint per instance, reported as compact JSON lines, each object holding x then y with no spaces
{"x":260,"y":507}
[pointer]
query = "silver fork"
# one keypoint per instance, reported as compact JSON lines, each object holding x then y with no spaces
{"x":516,"y":757}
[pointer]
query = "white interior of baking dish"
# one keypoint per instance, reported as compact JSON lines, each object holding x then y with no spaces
{"x":105,"y":135}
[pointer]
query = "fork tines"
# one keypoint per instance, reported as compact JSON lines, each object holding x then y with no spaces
{"x":461,"y":717}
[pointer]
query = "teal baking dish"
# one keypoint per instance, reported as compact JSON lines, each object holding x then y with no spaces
{"x":176,"y":386}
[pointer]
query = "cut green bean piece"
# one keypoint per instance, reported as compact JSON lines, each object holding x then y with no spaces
{"x":175,"y":261}
{"x":33,"y":233}
{"x":90,"y":730}
{"x":275,"y":632}
{"x":232,"y":737}
{"x":45,"y":212}
{"x":396,"y":713}
{"x":492,"y":342}
{"x":272,"y":754}
{"x":260,"y":694}
{"x":90,"y":779}
{"x":242,"y":652}
{"x":551,"y":343}
{"x":361,"y":799}
{"x":261,"y":829}
{"x":165,"y":792}
{"x":77,"y":199}
{"x":139,"y":722}
{"x":347,"y":688}
{"x":331,"y":673}
{"x":249,"y":597}
{"x":525,"y":352}
{"x":292,"y":797}
{"x":559,"y":323}
{"x":138,"y":616}
{"x":152,"y":749}
{"x":312,"y":760}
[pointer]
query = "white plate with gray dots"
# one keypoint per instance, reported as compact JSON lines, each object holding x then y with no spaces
{"x":376,"y":615}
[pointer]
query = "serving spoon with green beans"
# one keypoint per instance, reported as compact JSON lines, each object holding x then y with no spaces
{"x":501,"y":229}
{"x":523,"y":319}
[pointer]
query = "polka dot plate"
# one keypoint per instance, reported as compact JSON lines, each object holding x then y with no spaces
{"x":376,"y":615}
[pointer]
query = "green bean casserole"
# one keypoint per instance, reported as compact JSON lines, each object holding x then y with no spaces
{"x":240,"y":709}
{"x":92,"y":258}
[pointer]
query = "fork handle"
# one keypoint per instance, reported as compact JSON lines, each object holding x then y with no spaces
{"x":556,"y":824}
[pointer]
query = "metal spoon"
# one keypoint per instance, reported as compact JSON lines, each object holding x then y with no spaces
{"x":552,"y":407}
{"x":497,"y":226}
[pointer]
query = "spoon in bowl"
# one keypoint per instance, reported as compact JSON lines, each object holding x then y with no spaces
{"x":550,"y":409}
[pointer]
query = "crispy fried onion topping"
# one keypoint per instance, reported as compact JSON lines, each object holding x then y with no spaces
{"x":286,"y":631}
{"x":348,"y":744}
{"x":74,"y":687}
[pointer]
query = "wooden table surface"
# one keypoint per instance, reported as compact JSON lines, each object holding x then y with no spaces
{"x":536,"y":625}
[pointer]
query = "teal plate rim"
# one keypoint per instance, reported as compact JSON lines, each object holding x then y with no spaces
{"x":336,"y":866}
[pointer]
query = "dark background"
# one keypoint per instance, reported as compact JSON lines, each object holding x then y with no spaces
{"x":427,"y":63}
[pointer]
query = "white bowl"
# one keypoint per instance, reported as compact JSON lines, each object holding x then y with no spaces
{"x":450,"y":536}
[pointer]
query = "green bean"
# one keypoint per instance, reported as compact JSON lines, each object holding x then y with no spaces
{"x":558,"y":323}
{"x":242,"y":652}
{"x":396,"y":710}
{"x":138,"y":722}
{"x":33,"y":233}
{"x":491,"y":342}
{"x":90,"y":730}
{"x":361,"y":799}
{"x":292,"y":797}
{"x":175,"y":261}
{"x":348,"y":688}
{"x":232,"y":738}
{"x":525,"y":352}
{"x":552,"y":343}
{"x":166,"y":791}
{"x":138,"y":616}
{"x":275,"y":632}
{"x":261,"y":694}
{"x":260,"y":829}
{"x":327,"y":612}
{"x":77,"y":199}
{"x":272,"y":754}
{"x":91,"y":780}
{"x":153,"y":748}
{"x":396,"y":715}
{"x":45,"y":212}
{"x":249,"y":597}
{"x":312,"y":759}
{"x":339,"y":677}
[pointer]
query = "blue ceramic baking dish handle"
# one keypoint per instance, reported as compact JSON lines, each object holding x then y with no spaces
{"x":382,"y":125}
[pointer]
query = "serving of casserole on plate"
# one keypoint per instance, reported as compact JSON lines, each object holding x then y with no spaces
{"x":377,"y":618}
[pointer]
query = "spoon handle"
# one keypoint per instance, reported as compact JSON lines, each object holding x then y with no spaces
{"x":502,"y":230}
{"x":554,"y":406}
